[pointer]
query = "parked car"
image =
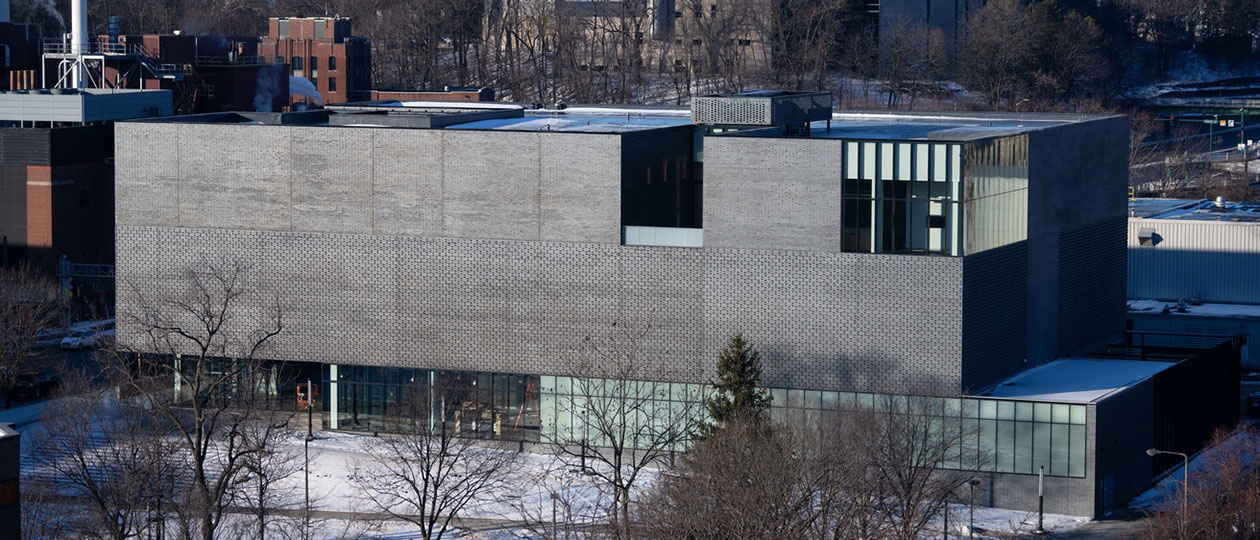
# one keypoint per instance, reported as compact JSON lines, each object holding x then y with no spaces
{"x":80,"y":339}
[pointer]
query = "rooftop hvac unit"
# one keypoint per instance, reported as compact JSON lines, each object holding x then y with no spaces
{"x":764,"y":108}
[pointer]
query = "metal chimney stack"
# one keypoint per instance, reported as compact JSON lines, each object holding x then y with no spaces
{"x":78,"y":41}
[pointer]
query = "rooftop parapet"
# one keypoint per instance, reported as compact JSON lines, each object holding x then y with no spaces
{"x":764,"y":108}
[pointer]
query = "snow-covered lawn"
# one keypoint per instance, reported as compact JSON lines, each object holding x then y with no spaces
{"x":337,"y":457}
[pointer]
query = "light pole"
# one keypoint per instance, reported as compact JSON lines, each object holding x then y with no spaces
{"x":1185,"y":488}
{"x":554,"y":527}
{"x":1212,"y":130}
{"x":584,"y":435}
{"x":306,"y":454}
{"x":971,"y":529}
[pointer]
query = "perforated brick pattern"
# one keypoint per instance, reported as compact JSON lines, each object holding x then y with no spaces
{"x":823,"y":320}
{"x":745,"y":110}
{"x":730,"y":111}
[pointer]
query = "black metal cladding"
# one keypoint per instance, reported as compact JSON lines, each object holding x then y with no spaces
{"x":1194,"y":398}
{"x":25,"y":146}
{"x":82,"y":144}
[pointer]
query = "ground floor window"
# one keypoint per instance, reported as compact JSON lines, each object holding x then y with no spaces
{"x":1003,"y":436}
{"x":477,"y":404}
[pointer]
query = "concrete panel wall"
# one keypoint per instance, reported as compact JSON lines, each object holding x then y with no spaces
{"x":1212,"y":260}
{"x":830,"y":321}
{"x":458,"y":184}
{"x":764,"y":193}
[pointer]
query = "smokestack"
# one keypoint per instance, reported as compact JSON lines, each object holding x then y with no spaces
{"x":78,"y":40}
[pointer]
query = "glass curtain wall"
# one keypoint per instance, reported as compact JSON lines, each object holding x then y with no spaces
{"x":996,"y":193}
{"x":475,"y":404}
{"x":570,"y":405}
{"x":1007,"y":436}
{"x":901,"y":197}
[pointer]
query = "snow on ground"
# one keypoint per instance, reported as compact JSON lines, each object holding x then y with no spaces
{"x":336,"y":458}
{"x":1003,"y":522}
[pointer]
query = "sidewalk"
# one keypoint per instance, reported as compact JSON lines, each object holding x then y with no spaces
{"x":1116,"y":529}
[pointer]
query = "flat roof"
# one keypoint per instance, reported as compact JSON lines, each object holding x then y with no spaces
{"x":1076,"y":380}
{"x":924,"y":126}
{"x":1247,"y":311}
{"x":82,"y":105}
{"x":1194,"y":210}
{"x":870,"y":125}
{"x":577,"y":123}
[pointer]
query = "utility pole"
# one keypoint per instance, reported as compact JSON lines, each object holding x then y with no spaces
{"x":1211,"y":130}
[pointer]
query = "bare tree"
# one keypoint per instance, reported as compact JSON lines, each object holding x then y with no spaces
{"x":621,"y":423}
{"x":563,"y":505}
{"x":262,"y":486}
{"x":44,"y":515}
{"x":29,"y":304}
{"x":205,"y":331}
{"x":885,"y":469}
{"x":917,"y":455}
{"x":108,"y":453}
{"x":747,"y":480}
{"x":1224,"y":493}
{"x":427,"y":473}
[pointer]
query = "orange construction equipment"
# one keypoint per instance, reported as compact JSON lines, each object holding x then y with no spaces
{"x":304,"y":401}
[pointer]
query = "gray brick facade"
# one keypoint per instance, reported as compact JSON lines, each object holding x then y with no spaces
{"x":833,"y":321}
{"x":562,"y":187}
{"x":765,"y":193}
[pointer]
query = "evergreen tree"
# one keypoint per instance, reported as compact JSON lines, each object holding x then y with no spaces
{"x":735,"y":391}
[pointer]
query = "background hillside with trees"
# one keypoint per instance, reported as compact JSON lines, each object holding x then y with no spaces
{"x":1010,"y":54}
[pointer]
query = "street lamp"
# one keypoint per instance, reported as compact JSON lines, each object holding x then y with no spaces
{"x":971,"y":529}
{"x":1185,"y":489}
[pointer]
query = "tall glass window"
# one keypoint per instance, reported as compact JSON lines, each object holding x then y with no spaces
{"x":899,"y":198}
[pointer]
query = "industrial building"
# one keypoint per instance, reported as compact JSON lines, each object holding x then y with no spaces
{"x":10,"y":479}
{"x":57,"y":173}
{"x":865,"y":254}
{"x":323,"y":51}
{"x":56,"y":132}
{"x":1192,"y":268}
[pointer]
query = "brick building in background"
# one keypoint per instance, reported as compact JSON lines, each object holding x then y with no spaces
{"x":322,"y":51}
{"x":57,"y":172}
{"x":204,"y":73}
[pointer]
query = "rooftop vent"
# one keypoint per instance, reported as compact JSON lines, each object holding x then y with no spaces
{"x":762,"y":108}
